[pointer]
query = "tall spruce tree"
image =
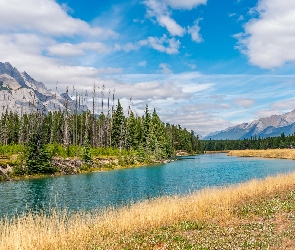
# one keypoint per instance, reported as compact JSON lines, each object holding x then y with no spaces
{"x":118,"y":122}
{"x":38,"y":159}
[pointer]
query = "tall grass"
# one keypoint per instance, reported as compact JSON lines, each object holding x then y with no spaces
{"x":268,"y":153}
{"x":104,"y":230}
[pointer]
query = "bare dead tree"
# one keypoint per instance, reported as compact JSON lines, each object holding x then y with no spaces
{"x":93,"y":114}
{"x":66,"y":121}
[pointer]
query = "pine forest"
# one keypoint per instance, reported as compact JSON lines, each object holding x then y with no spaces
{"x":39,"y":136}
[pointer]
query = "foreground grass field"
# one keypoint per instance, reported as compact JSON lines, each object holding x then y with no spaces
{"x":269,"y":153}
{"x":259,"y":214}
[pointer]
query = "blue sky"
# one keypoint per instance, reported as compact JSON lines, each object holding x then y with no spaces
{"x":204,"y":64}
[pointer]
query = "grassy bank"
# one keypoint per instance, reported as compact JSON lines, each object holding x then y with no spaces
{"x":254,"y":215}
{"x":268,"y":153}
{"x":71,"y":160}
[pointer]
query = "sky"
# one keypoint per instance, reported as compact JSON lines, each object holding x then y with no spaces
{"x":203,"y":64}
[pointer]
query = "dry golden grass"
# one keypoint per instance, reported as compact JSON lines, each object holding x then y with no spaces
{"x":268,"y":153}
{"x":105,"y":230}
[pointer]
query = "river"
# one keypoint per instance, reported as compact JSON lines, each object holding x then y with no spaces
{"x":120,"y":187}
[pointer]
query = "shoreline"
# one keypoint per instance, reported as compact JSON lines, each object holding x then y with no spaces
{"x":267,"y":153}
{"x":106,"y":164}
{"x":252,"y":213}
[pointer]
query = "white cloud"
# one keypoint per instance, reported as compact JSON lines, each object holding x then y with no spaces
{"x":244,"y":102}
{"x":25,"y":52}
{"x":165,"y":69}
{"x":159,"y":44}
{"x":130,"y":47}
{"x":187,"y":115}
{"x":142,"y":63}
{"x":192,"y":65}
{"x":173,"y":28}
{"x":266,"y":113}
{"x":185,"y":4}
{"x":46,"y":17}
{"x":241,"y":18}
{"x":194,"y":31}
{"x":68,"y":49}
{"x":284,"y":105}
{"x":269,"y":40}
{"x":160,"y":11}
{"x":162,"y":44}
{"x":65,"y":49}
{"x":193,"y":88}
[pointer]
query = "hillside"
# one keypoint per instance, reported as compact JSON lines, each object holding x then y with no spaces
{"x":21,"y":93}
{"x":270,"y":126}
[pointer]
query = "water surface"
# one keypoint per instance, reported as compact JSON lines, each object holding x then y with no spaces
{"x":119,"y":187}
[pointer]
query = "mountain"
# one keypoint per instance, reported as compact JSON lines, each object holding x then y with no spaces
{"x":271,"y":126}
{"x":21,"y":93}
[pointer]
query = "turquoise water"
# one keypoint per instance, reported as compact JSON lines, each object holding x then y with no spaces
{"x":121,"y":187}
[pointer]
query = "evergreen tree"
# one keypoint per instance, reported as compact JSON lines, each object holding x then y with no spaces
{"x":117,"y":126}
{"x":86,"y":157}
{"x":38,"y":159}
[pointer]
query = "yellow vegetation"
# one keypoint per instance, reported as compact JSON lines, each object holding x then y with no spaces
{"x":269,"y":153}
{"x":97,"y":230}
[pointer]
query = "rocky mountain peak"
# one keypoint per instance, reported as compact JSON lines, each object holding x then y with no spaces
{"x":273,"y":125}
{"x":21,"y":93}
{"x":6,"y":68}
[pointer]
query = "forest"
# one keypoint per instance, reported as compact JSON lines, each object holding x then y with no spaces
{"x":281,"y":141}
{"x":39,"y":136}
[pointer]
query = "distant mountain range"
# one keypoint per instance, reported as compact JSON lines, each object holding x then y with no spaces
{"x":271,"y":126}
{"x":20,"y":93}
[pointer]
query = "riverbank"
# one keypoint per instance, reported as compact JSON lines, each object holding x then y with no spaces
{"x":216,"y":152}
{"x":258,"y":214}
{"x":268,"y":153}
{"x":10,"y":170}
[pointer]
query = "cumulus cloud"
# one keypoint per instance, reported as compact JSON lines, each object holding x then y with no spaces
{"x":68,"y":49}
{"x":173,"y":28}
{"x":46,"y":17}
{"x":159,"y":11}
{"x":187,"y":115}
{"x":163,"y":44}
{"x":25,"y":52}
{"x":194,"y":31}
{"x":185,"y":4}
{"x":145,"y":91}
{"x":268,"y":41}
{"x":65,"y":49}
{"x":244,"y":102}
{"x":164,"y":68}
{"x":192,"y":65}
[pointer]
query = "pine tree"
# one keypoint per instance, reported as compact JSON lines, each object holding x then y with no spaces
{"x":118,"y":122}
{"x":86,"y":157}
{"x":38,"y":159}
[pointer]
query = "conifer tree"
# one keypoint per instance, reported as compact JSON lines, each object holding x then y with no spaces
{"x":118,"y":122}
{"x":38,"y":159}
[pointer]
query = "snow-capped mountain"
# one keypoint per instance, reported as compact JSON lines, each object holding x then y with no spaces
{"x":263,"y":127}
{"x":20,"y":93}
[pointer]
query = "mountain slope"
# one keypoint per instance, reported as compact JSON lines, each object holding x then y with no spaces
{"x":20,"y":93}
{"x":263,"y":127}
